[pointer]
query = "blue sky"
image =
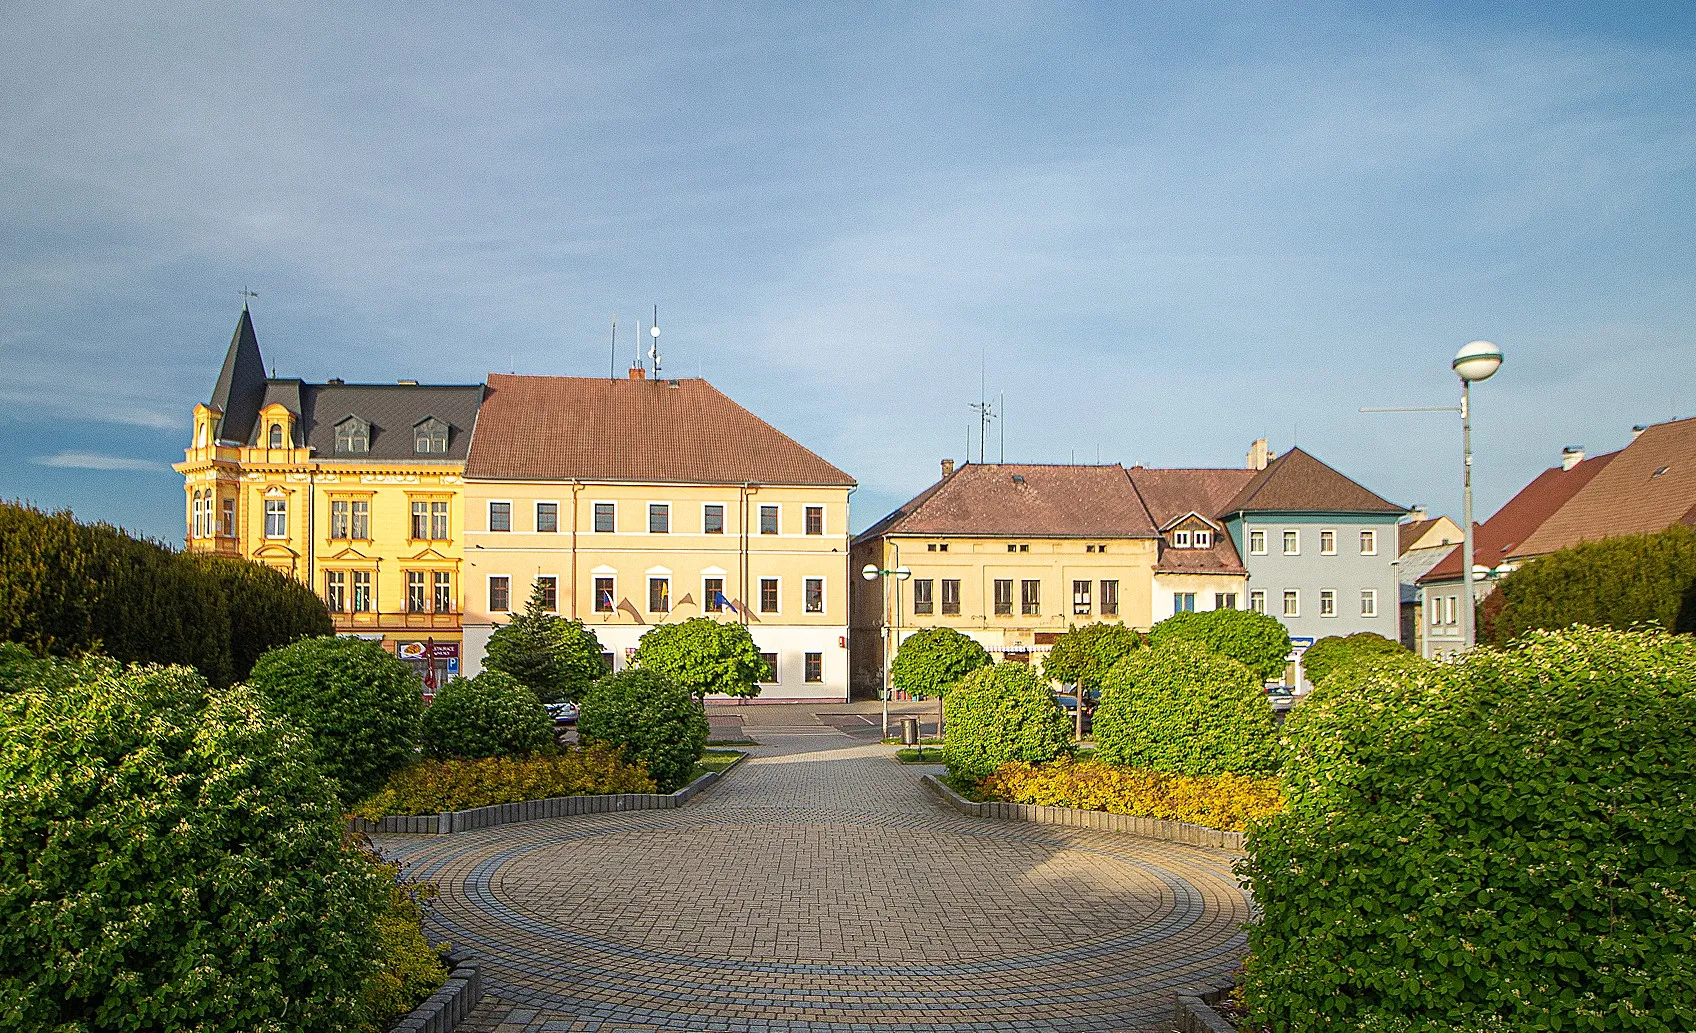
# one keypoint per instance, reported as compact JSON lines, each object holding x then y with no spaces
{"x":1163,"y":230}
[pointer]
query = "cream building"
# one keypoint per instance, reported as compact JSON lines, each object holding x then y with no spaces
{"x":638,"y":502}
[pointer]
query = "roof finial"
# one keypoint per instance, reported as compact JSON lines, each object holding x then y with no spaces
{"x":246,"y":295}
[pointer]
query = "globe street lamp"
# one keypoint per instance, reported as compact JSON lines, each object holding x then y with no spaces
{"x":871,"y":572}
{"x":1474,"y":362}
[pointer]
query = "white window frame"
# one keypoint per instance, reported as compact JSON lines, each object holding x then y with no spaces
{"x":824,"y":595}
{"x":1369,"y":602}
{"x":536,"y":515}
{"x":760,"y":519}
{"x":1434,"y":610}
{"x":1331,"y":534}
{"x":1180,"y":539}
{"x":1257,"y":600}
{"x":489,"y":589}
{"x":648,"y":527}
{"x":760,"y":602}
{"x":1451,"y":610}
{"x":1327,"y":602}
{"x":489,"y":516}
{"x":548,"y":577}
{"x":1368,"y":542}
{"x":282,"y":511}
{"x":1203,"y":539}
{"x":603,"y":502}
{"x":1292,"y":535}
{"x":724,"y":518}
{"x":1292,"y":602}
{"x":1178,"y":599}
{"x":1257,"y":542}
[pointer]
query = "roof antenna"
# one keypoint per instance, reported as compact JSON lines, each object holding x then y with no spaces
{"x":612,"y":364}
{"x":985,"y":411}
{"x":246,"y":295}
{"x":1001,"y":408}
{"x":654,"y":349}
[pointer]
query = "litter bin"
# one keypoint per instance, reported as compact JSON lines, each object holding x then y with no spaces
{"x":909,"y":731}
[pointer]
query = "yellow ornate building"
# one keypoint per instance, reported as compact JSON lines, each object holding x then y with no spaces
{"x":355,"y":489}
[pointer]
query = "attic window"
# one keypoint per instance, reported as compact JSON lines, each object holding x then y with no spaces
{"x":430,"y":437}
{"x":353,"y":437}
{"x":276,"y":436}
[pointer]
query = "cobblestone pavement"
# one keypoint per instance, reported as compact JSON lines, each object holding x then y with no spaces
{"x":818,"y":888}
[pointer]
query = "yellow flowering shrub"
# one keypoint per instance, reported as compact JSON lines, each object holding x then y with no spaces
{"x":409,"y":969}
{"x":1224,"y":801}
{"x":432,"y":786}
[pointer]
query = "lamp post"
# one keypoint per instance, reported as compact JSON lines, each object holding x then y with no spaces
{"x":871,"y":572}
{"x":1475,"y":362}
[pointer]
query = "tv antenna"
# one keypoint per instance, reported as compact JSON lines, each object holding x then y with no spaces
{"x":985,"y":410}
{"x":246,"y":296}
{"x":654,"y":349}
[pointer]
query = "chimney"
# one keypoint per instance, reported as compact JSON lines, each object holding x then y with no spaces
{"x":1258,"y":455}
{"x":638,"y":372}
{"x":947,"y":467}
{"x":1571,"y":456}
{"x":1640,"y":428}
{"x":407,"y":382}
{"x":1417,"y":513}
{"x":335,"y":380}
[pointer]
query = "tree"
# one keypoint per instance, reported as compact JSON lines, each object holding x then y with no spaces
{"x":650,"y":720}
{"x":1334,"y":651}
{"x":704,"y":656}
{"x":1614,"y":582}
{"x":491,"y":715}
{"x":1254,"y":640}
{"x":930,"y":660}
{"x":263,"y":608}
{"x":555,"y":657}
{"x":1188,"y":710}
{"x":1002,"y":713}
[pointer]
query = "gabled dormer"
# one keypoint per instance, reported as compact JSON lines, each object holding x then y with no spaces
{"x":353,"y":436}
{"x":430,"y":437}
{"x":277,"y":428}
{"x":1190,"y":531}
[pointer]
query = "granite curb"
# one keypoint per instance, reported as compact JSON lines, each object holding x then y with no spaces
{"x":1151,"y":828}
{"x":445,"y":1009}
{"x":1195,"y":1012}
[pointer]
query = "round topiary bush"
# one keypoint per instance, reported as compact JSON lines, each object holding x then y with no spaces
{"x":1185,"y":709}
{"x":170,"y":858}
{"x":491,"y":715}
{"x":1329,"y":654}
{"x":998,"y":714}
{"x":650,"y":720}
{"x":1255,"y":640}
{"x":359,"y":706}
{"x":1504,"y":842}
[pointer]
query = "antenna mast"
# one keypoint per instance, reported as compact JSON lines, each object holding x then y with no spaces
{"x":654,"y":349}
{"x":985,"y":411}
{"x":612,"y":363}
{"x":1001,"y":411}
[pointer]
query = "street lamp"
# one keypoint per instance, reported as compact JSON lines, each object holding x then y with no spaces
{"x":871,"y":572}
{"x":1477,"y":361}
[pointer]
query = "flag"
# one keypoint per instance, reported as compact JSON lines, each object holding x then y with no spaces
{"x":718,"y":597}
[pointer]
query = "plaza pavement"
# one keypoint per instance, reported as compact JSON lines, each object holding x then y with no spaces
{"x":819,"y":888}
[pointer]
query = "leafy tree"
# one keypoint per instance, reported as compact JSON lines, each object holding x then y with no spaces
{"x":650,"y":720}
{"x":1183,"y":708}
{"x":491,"y":715}
{"x":359,"y":706}
{"x":1254,"y":640}
{"x":1613,"y":582}
{"x":704,"y":656}
{"x":263,"y":608}
{"x":1002,"y":713}
{"x":171,"y":859}
{"x":1083,"y":656}
{"x":1334,"y":651}
{"x":555,"y":657}
{"x":930,"y":660}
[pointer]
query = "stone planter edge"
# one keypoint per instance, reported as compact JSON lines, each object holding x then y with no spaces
{"x":1149,"y":828}
{"x":445,"y":1009}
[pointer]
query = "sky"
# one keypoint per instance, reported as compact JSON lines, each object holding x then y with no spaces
{"x":1158,"y":231}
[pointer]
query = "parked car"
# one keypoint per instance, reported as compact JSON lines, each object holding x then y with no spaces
{"x":1069,"y":703}
{"x":562,"y":713}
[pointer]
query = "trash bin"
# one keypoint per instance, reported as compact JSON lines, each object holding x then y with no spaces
{"x":910,"y":731}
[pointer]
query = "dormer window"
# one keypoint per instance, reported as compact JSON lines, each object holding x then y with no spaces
{"x":430,"y":437}
{"x":1203,"y":539}
{"x":1181,"y":539}
{"x":276,"y":436}
{"x":353,"y":437}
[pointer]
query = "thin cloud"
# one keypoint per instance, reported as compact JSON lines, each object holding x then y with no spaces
{"x":96,"y":461}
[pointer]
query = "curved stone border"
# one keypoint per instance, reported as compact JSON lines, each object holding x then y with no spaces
{"x":449,"y":822}
{"x":1152,"y":828}
{"x":1195,"y":1012}
{"x":448,"y":1007}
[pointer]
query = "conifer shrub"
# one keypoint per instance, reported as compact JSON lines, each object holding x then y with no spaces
{"x":1619,"y":582}
{"x":998,"y":714}
{"x":1185,"y":709}
{"x":491,"y":715}
{"x":433,"y":786}
{"x":1255,"y":640}
{"x":650,"y":720}
{"x":1226,"y":801}
{"x":556,"y":658}
{"x":359,"y":707}
{"x":1506,"y":842}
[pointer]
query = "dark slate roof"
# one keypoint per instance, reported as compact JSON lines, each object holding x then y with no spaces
{"x":1001,"y":500}
{"x":241,"y":383}
{"x":392,"y":410}
{"x":1296,"y":482}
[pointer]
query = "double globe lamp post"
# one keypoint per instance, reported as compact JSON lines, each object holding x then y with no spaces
{"x":871,"y":572}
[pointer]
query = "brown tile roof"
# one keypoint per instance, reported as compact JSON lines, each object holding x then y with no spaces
{"x":1410,"y":532}
{"x":1649,"y":486}
{"x":1296,"y":482}
{"x":678,"y":431}
{"x":1004,"y":500}
{"x":1172,"y":494}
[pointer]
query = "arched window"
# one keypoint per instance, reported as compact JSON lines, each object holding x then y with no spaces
{"x":353,"y":437}
{"x":430,"y":437}
{"x":276,"y":435}
{"x":197,"y":526}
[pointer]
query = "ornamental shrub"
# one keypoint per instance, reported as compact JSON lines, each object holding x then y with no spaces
{"x":491,"y":715}
{"x":1223,"y":801}
{"x":704,"y":656}
{"x":1613,"y":582}
{"x":408,"y":968}
{"x":650,"y":720}
{"x":358,"y":705}
{"x":1001,"y":713}
{"x":433,"y":786}
{"x":1506,"y":841}
{"x":261,"y":608}
{"x":1255,"y":640}
{"x":1184,"y":709}
{"x":556,"y":658}
{"x":1334,"y":651}
{"x":170,"y":858}
{"x":1083,"y":656}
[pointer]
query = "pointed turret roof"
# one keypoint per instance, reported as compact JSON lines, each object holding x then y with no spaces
{"x":241,"y":383}
{"x":1296,"y":482}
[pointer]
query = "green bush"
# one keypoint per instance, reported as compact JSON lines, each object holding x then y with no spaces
{"x":491,"y":715}
{"x":409,"y":969}
{"x":1182,"y":708}
{"x":1614,"y":582}
{"x":930,"y":660}
{"x":1252,"y":639}
{"x":1334,"y":651}
{"x":998,"y":714}
{"x":433,"y":786}
{"x":1226,"y":802}
{"x":359,"y":706}
{"x":1507,"y":841}
{"x":170,"y":859}
{"x":704,"y":656}
{"x":557,"y":658}
{"x":1083,"y":656}
{"x":650,"y":720}
{"x":260,"y":607}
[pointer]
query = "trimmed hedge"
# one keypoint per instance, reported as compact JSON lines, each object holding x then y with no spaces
{"x":1181,"y":708}
{"x":359,"y":706}
{"x":1334,"y":651}
{"x":433,"y":786}
{"x":1614,"y":582}
{"x":650,"y":720}
{"x":998,"y":714}
{"x":491,"y":715}
{"x":1227,"y":802}
{"x":1507,"y":841}
{"x":1255,"y":640}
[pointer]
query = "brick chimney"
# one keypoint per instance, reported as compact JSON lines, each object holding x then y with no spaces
{"x":638,"y":373}
{"x":1571,"y":456}
{"x":947,"y":467}
{"x":1258,"y":455}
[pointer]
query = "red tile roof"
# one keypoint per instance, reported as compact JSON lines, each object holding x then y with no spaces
{"x":1172,"y":494}
{"x":1648,"y":486}
{"x":1018,"y":500}
{"x":1295,"y":482}
{"x":677,"y":431}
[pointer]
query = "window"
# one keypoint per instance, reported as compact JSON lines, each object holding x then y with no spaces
{"x":814,"y":594}
{"x":923,"y":600}
{"x":814,"y":520}
{"x":712,"y":518}
{"x":1327,"y":543}
{"x":500,"y":594}
{"x":950,"y":597}
{"x":712,"y":594}
{"x":1181,"y":539}
{"x":659,"y":595}
{"x":1030,"y":598}
{"x":362,"y":591}
{"x":1257,"y":543}
{"x":430,"y":437}
{"x":442,"y":583}
{"x":1183,"y":602}
{"x":770,"y":660}
{"x":276,"y":518}
{"x":1369,"y":602}
{"x":603,"y":595}
{"x":439,"y":521}
{"x":1292,"y":543}
{"x":276,"y":440}
{"x":1080,"y":597}
{"x":1451,"y":609}
{"x":813,"y":667}
{"x":605,"y":517}
{"x":194,"y":522}
{"x":1204,"y":539}
{"x":361,"y":520}
{"x":1224,"y":600}
{"x":335,"y":590}
{"x":1369,"y":543}
{"x":550,"y":592}
{"x":1257,"y":600}
{"x":1110,"y":598}
{"x":1327,"y":602}
{"x":338,"y":519}
{"x":353,"y":437}
{"x":768,"y":595}
{"x":1012,"y":548}
{"x":420,"y":521}
{"x":1435,"y":605}
{"x":547,"y":517}
{"x":500,"y":516}
{"x":659,"y":518}
{"x":1003,"y":597}
{"x":415,"y":591}
{"x":1292,"y":603}
{"x":228,"y":527}
{"x":768,"y":519}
